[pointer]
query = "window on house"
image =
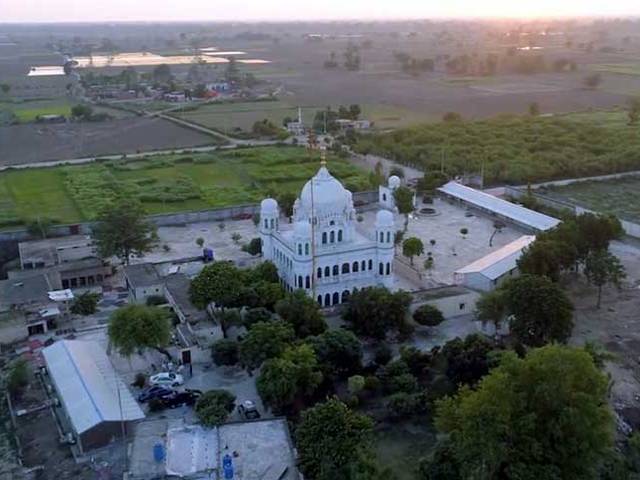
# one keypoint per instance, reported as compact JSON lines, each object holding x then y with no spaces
{"x":299,"y":249}
{"x":307,"y":282}
{"x":363,"y":266}
{"x":332,"y":236}
{"x":388,"y":237}
{"x":461,"y":306}
{"x":384,"y":197}
{"x":354,"y":267}
{"x":388,"y":269}
{"x":327,"y":271}
{"x":324,"y":238}
{"x":370,"y":264}
{"x":336,"y":270}
{"x":381,"y":237}
{"x":306,"y":249}
{"x":381,"y":268}
{"x":319,"y":272}
{"x":339,"y":235}
{"x":345,"y":268}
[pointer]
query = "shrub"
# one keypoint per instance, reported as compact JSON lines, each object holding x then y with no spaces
{"x":371,"y":383}
{"x":156,"y":405}
{"x":18,"y":377}
{"x":140,"y":380}
{"x":85,"y":304}
{"x":254,"y":247}
{"x":401,"y":405}
{"x":225,"y":352}
{"x":214,"y":407}
{"x":402,"y":383}
{"x":356,"y":384}
{"x":382,"y":354}
{"x":255,"y":315}
{"x":428,"y":315}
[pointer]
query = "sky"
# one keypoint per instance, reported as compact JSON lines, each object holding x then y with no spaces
{"x":278,"y":10}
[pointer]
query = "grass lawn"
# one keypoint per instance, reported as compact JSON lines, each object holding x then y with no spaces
{"x":232,"y":117}
{"x":400,"y":446}
{"x":167,"y":183}
{"x":620,"y":197}
{"x":619,"y":68}
{"x":27,"y":112}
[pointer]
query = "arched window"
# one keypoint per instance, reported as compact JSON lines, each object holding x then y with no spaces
{"x":332,"y":222}
{"x":299,"y":249}
{"x":384,"y":197}
{"x":272,"y":223}
{"x":388,"y":237}
{"x":345,"y":296}
{"x":319,"y":272}
{"x":336,"y":270}
{"x":336,"y":298}
{"x":381,"y":237}
{"x":320,"y":300}
{"x":345,"y":268}
{"x":332,"y":236}
{"x":388,"y":269}
{"x":324,"y":238}
{"x":327,"y":300}
{"x":307,"y":280}
{"x":381,"y":268}
{"x":306,"y":249}
{"x":354,"y":267}
{"x":363,"y":265}
{"x":370,"y":264}
{"x":339,"y":235}
{"x":327,"y":271}
{"x":300,"y":280}
{"x":266,"y":223}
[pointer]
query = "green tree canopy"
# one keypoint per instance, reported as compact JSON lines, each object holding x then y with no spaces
{"x":122,"y":230}
{"x":412,"y":247}
{"x":218,"y":282}
{"x":428,"y":315}
{"x":331,"y":439}
{"x":542,"y":417}
{"x":214,"y":406}
{"x":265,"y":340}
{"x":403,"y":197}
{"x":602,"y":267}
{"x":137,"y":327}
{"x":302,"y":312}
{"x":467,"y":360}
{"x":541,"y":311}
{"x":376,"y":310}
{"x":339,"y":351}
{"x":547,"y":257}
{"x":225,"y":352}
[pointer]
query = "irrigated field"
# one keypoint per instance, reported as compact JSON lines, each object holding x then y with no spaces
{"x":167,"y":183}
{"x":620,"y":197}
{"x":26,"y":112}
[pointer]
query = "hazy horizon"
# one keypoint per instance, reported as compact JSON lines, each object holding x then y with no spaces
{"x":36,"y":11}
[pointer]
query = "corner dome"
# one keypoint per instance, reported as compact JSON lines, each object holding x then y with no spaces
{"x":384,"y":218}
{"x":394,"y":181}
{"x":269,"y":205}
{"x":328,"y":193}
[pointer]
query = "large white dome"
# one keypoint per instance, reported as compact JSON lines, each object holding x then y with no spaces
{"x":269,"y":206}
{"x":328,"y":194}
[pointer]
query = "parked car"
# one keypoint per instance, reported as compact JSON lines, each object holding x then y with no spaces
{"x":178,"y":399}
{"x":167,"y":379}
{"x":248,"y":410}
{"x":157,"y":391}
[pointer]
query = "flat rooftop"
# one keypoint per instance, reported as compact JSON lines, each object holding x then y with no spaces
{"x":501,"y":261}
{"x":142,"y":275}
{"x":48,"y":250}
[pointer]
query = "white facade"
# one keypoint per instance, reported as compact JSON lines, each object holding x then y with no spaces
{"x":322,"y":252}
{"x":385,"y":193}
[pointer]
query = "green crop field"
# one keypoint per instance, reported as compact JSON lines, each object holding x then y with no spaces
{"x":620,"y":197}
{"x":619,"y":68}
{"x":26,"y":112}
{"x":167,"y":183}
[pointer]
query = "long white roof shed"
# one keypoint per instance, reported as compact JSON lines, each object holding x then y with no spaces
{"x":500,"y":262}
{"x":510,"y":211}
{"x":88,"y":385}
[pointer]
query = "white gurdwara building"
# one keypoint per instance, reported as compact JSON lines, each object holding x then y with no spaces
{"x":322,"y":252}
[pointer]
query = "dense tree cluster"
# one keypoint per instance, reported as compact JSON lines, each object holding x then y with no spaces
{"x":376,"y":311}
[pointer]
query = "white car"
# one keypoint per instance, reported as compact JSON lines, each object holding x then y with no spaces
{"x":166,"y":378}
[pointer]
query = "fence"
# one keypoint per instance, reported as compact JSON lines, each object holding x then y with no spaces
{"x":171,"y":219}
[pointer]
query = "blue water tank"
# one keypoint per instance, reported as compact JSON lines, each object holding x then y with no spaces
{"x":227,"y":467}
{"x":158,"y":452}
{"x":207,"y":254}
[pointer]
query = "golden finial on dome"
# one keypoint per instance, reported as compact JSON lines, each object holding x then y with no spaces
{"x":323,"y":156}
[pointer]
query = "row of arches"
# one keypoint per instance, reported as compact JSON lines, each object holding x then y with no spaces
{"x":381,"y":236}
{"x":330,"y":237}
{"x":346,"y":267}
{"x":333,"y":299}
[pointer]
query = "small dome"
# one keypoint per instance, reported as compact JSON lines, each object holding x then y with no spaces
{"x":394,"y":181}
{"x":269,"y":206}
{"x":384,"y":218}
{"x":302,"y":229}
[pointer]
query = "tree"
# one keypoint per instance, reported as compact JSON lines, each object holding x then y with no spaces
{"x":162,"y":73}
{"x":412,"y":247}
{"x":432,"y":181}
{"x":265,"y":340}
{"x":467,"y":360}
{"x":5,"y":87}
{"x":534,"y":109}
{"x":354,"y":111}
{"x":374,"y":311}
{"x":403,"y":197}
{"x":122,"y":230}
{"x":452,"y":117}
{"x":592,"y":81}
{"x":18,"y":377}
{"x":339,"y":352}
{"x":200,"y":242}
{"x":547,"y":257}
{"x":491,"y":307}
{"x":137,"y":327}
{"x":85,"y":304}
{"x":330,"y":453}
{"x":544,"y":416}
{"x":235,"y":236}
{"x":428,"y":315}
{"x":293,"y":374}
{"x":602,"y":267}
{"x":634,"y":111}
{"x":541,"y":311}
{"x":214,"y":406}
{"x":302,"y":313}
{"x":225,"y":352}
{"x":396,"y":171}
{"x":286,"y":201}
{"x":352,"y":57}
{"x":81,"y":111}
{"x":254,"y":247}
{"x":219,"y":282}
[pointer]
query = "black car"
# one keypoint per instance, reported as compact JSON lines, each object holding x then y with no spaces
{"x":178,"y":399}
{"x":157,"y":391}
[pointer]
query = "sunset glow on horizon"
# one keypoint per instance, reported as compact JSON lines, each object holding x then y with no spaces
{"x":281,"y":10}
